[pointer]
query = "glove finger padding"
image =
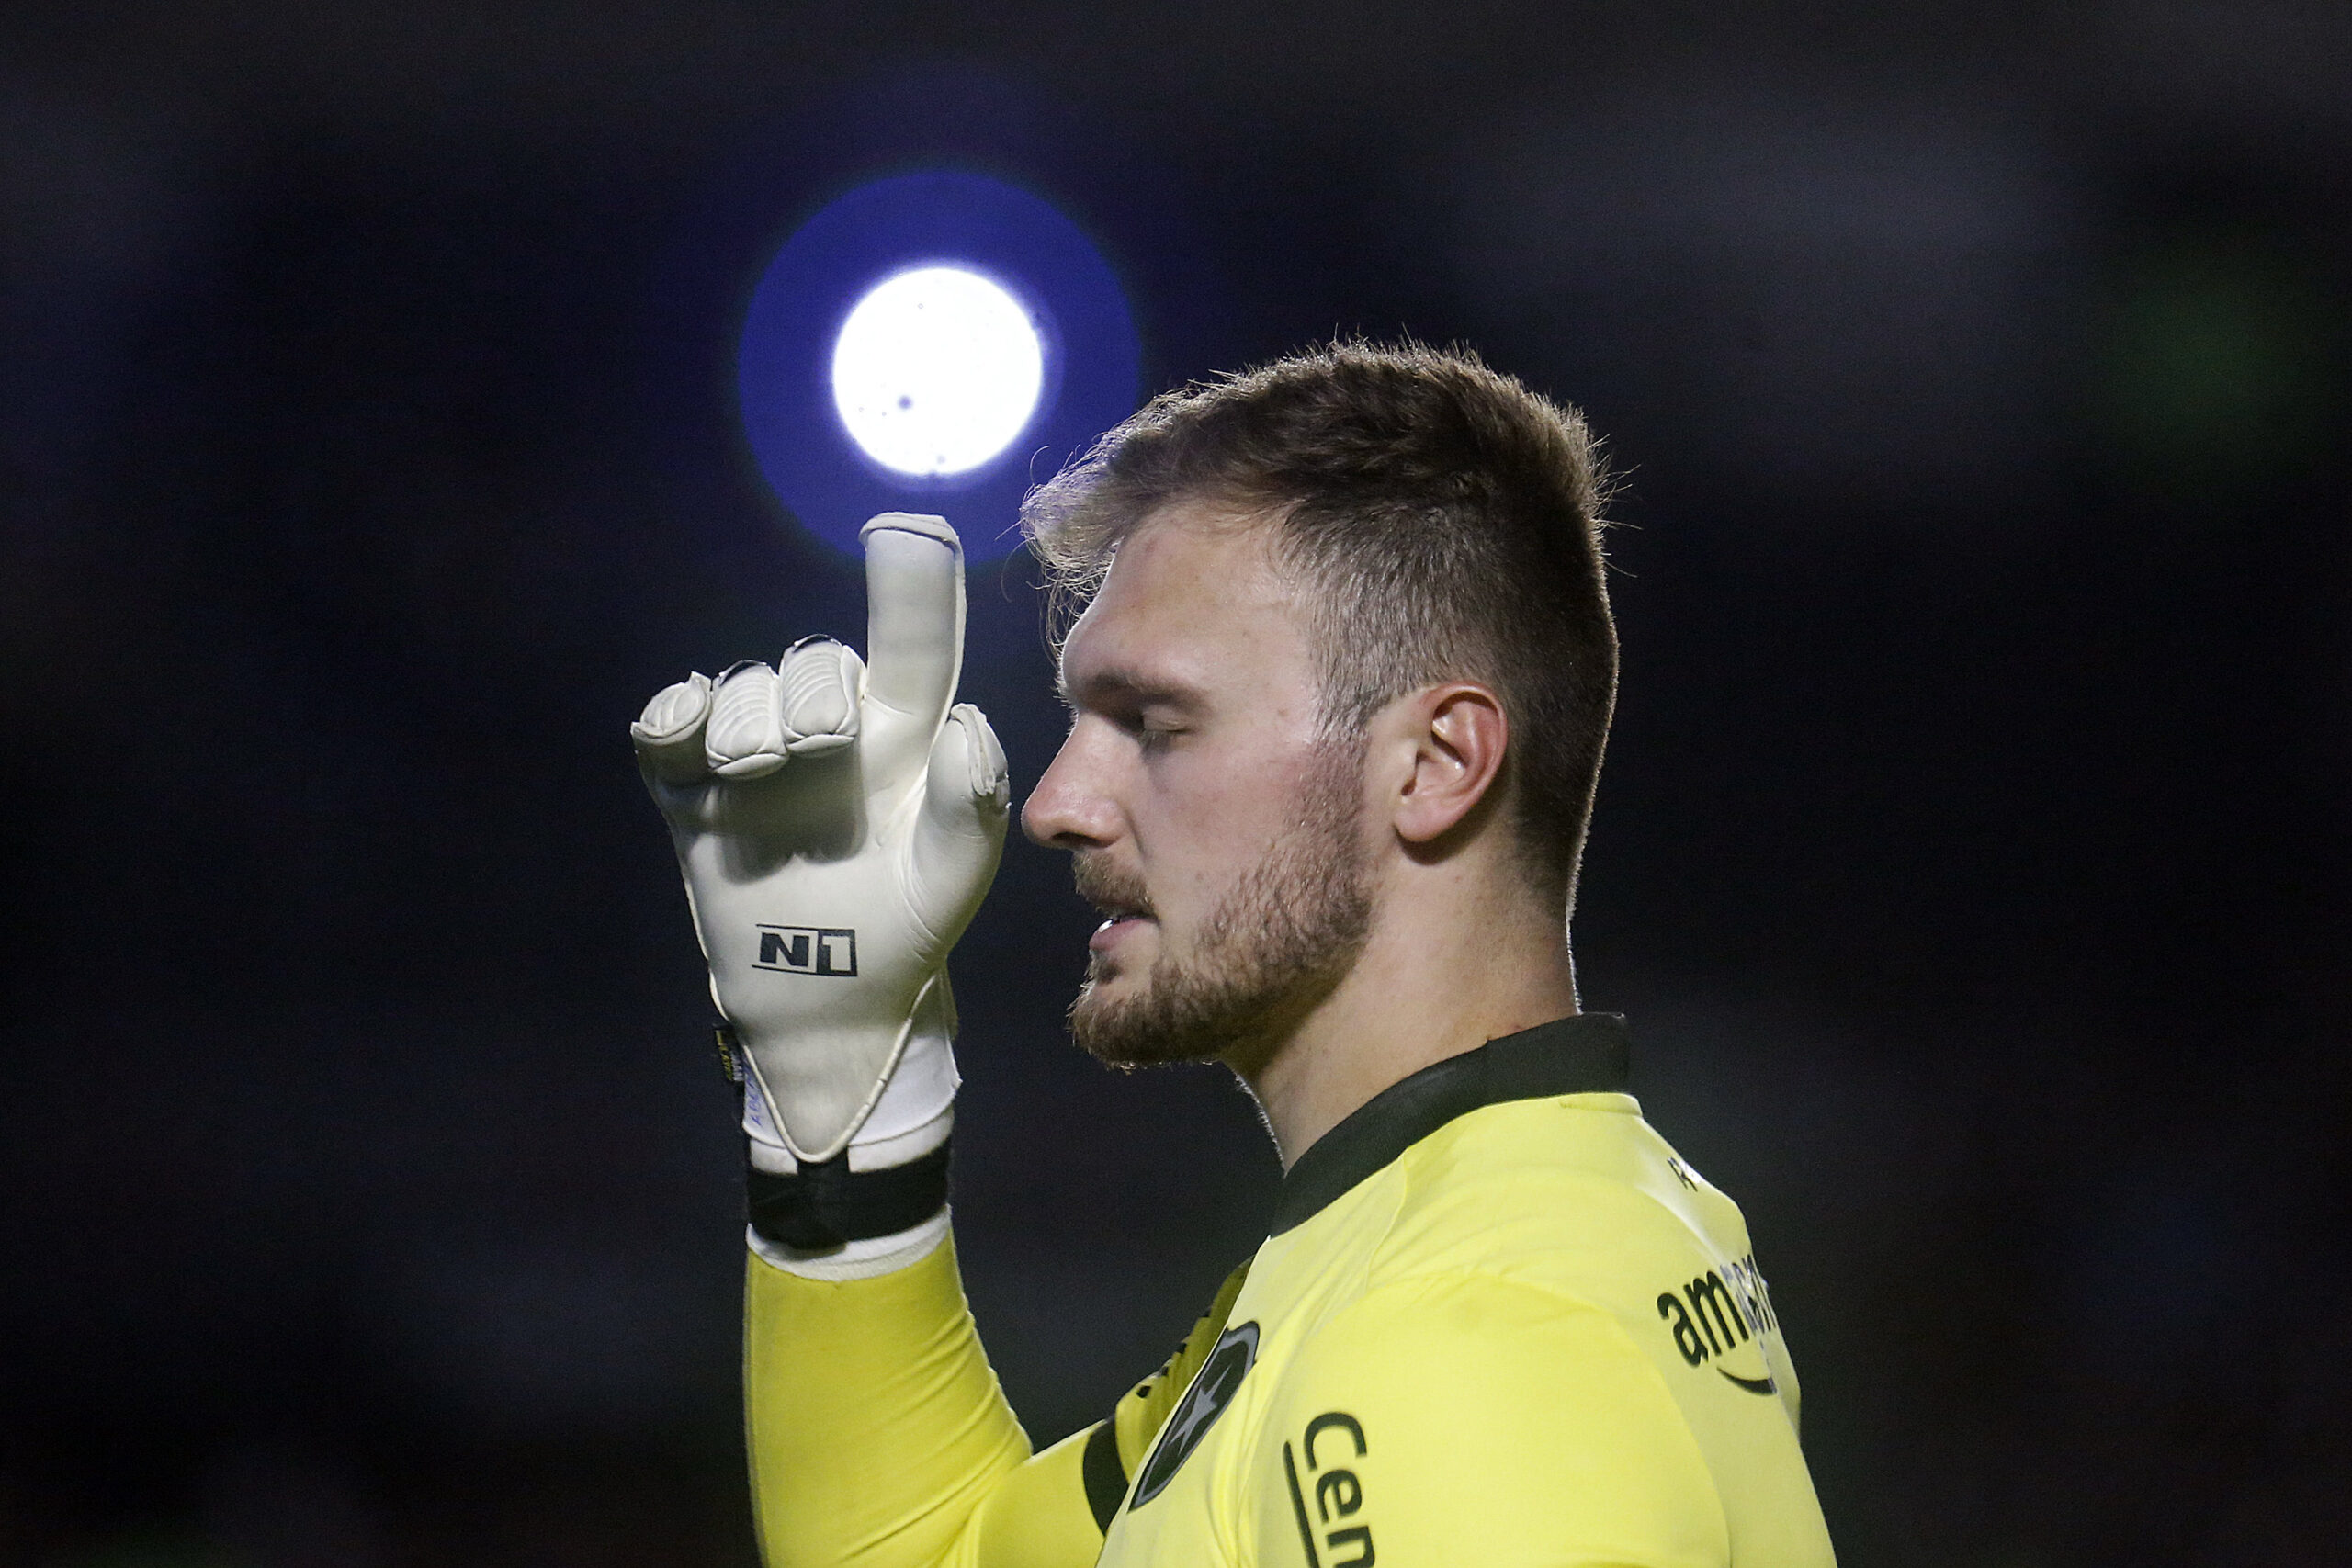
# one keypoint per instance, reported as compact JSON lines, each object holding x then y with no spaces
{"x":669,"y":733}
{"x":818,"y":689}
{"x":960,"y":834}
{"x":914,"y":640}
{"x":743,"y":738}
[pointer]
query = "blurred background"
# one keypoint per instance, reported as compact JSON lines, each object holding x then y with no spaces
{"x":1971,"y":858}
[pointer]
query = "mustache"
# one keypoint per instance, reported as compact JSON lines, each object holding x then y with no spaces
{"x":1109,"y":886}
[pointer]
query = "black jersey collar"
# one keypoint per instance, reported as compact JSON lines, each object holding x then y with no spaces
{"x":1569,"y":1055}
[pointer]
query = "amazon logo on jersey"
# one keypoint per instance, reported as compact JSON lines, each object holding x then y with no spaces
{"x":1710,"y":1318}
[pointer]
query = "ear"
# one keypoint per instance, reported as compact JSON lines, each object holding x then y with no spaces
{"x":1457,"y":734}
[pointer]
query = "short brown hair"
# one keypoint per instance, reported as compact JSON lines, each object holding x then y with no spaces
{"x":1447,"y":516}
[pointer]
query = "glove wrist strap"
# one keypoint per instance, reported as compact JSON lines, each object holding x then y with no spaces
{"x":823,"y":1206}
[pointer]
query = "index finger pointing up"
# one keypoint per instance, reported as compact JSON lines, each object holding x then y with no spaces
{"x":914,"y":632}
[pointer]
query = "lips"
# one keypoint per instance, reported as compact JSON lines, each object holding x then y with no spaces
{"x":1115,"y":890}
{"x":1108,"y":933}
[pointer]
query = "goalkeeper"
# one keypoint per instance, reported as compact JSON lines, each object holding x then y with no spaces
{"x":1339,"y":693}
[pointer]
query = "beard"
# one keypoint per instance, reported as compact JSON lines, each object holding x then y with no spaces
{"x":1277,"y":942}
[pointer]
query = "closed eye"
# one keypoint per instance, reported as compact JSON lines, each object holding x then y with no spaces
{"x":1130,"y":697}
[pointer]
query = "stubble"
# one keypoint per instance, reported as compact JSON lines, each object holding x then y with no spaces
{"x":1276,"y":943}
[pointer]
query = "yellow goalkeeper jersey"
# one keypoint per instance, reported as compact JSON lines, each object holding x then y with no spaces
{"x":1498,"y":1320}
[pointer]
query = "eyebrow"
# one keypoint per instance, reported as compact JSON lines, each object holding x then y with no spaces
{"x":1133,"y":684}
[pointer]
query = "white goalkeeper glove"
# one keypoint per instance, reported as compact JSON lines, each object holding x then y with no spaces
{"x":838,"y":825}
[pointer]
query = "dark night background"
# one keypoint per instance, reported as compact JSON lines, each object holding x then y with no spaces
{"x":1972,"y":857}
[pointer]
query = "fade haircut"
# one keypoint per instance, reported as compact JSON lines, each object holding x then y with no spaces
{"x":1445,"y":519}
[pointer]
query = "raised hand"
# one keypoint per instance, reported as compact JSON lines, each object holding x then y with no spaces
{"x":838,"y":824}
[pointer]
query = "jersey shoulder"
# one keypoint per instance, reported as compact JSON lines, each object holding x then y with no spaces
{"x":1578,"y":1202}
{"x":1576,"y":1194}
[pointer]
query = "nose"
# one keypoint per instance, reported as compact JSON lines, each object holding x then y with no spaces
{"x":1069,"y":809}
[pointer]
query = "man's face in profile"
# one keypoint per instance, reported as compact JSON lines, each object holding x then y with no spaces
{"x":1217,"y":826}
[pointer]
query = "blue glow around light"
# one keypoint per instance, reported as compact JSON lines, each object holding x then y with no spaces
{"x":837,"y":451}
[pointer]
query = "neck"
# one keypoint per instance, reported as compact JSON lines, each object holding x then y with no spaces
{"x":1446,"y":968}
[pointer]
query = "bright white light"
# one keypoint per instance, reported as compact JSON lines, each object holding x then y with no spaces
{"x":936,"y":370}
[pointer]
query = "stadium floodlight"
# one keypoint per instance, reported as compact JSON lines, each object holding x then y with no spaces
{"x":938,"y":370}
{"x":934,"y":342}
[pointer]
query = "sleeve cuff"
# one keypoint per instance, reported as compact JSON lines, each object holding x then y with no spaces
{"x":861,"y":1259}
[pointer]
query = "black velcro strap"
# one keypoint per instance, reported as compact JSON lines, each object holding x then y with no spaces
{"x":1106,"y":1478}
{"x":818,"y":1207}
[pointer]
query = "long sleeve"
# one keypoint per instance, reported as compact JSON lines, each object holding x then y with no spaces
{"x":880,"y":1437}
{"x":879,"y":1434}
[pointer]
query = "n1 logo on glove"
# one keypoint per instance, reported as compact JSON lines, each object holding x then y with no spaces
{"x":865,"y":792}
{"x":809,"y":949}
